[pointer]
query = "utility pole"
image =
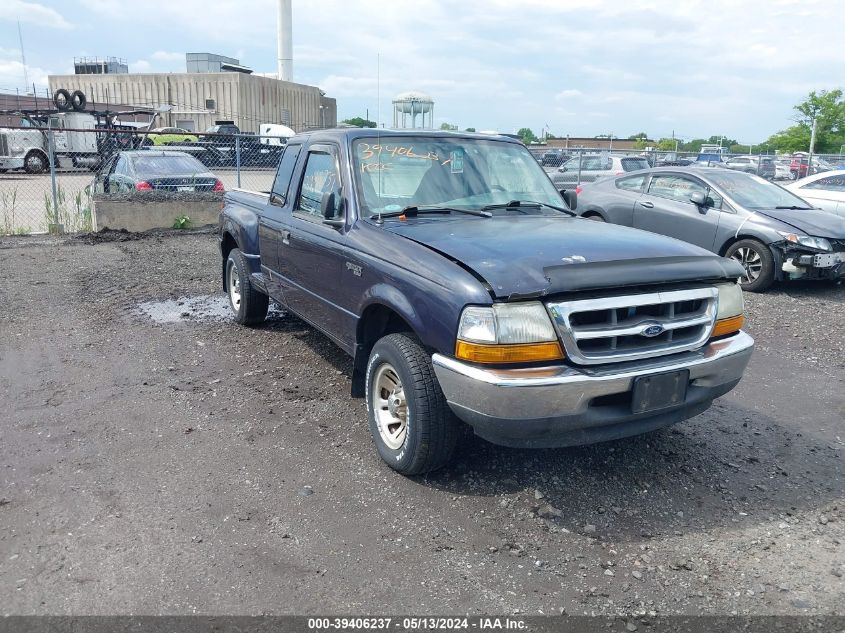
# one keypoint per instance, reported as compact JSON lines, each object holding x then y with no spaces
{"x":812,"y":147}
{"x":23,"y":57}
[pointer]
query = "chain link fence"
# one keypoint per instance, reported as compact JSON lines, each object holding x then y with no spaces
{"x":52,"y":179}
{"x":61,"y":180}
{"x":567,"y":166}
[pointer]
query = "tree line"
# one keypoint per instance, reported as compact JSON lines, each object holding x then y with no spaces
{"x":825,"y":107}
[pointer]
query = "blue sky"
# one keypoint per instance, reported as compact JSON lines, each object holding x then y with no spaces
{"x":582,"y":67}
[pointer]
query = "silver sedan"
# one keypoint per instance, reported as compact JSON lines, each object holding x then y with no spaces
{"x":773,"y":233}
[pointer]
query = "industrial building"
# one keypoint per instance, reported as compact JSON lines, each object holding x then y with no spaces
{"x":198,"y":100}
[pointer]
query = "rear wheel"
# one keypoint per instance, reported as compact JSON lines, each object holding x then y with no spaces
{"x":413,"y":428}
{"x":248,"y":304}
{"x":758,"y":262}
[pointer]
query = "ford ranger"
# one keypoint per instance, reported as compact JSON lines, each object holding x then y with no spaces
{"x":465,"y":290}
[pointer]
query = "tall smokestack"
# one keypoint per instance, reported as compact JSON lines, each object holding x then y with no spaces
{"x":285,"y":35}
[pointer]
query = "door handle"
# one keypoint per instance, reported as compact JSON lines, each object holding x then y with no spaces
{"x":647,"y":205}
{"x":285,"y":235}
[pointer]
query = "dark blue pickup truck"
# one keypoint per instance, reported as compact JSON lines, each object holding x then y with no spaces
{"x":457,"y":278}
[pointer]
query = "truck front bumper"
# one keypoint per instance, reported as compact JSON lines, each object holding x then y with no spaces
{"x":565,"y":406}
{"x":11,"y":163}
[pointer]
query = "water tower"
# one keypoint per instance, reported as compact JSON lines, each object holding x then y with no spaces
{"x":409,"y":105}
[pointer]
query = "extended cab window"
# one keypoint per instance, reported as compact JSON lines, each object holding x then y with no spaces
{"x":281,"y":185}
{"x":320,"y":177}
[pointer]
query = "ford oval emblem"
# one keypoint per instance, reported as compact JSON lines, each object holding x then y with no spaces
{"x":655,"y":329}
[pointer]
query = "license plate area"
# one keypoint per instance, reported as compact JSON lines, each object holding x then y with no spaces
{"x":828,"y":260}
{"x":659,"y":391}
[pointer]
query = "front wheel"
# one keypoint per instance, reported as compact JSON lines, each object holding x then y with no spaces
{"x":758,"y":262}
{"x":249,"y":305}
{"x":413,"y":428}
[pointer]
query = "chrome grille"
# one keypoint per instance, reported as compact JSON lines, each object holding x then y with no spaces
{"x":616,"y":329}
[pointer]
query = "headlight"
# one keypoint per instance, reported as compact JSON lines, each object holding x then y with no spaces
{"x":730,"y":317}
{"x":819,"y":243}
{"x":507,"y":333}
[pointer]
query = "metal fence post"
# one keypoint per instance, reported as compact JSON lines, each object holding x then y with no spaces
{"x":238,"y":158}
{"x":55,"y":227}
{"x":580,"y":157}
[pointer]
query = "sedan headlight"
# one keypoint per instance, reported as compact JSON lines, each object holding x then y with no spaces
{"x":819,"y":243}
{"x":507,"y":333}
{"x":729,"y":317}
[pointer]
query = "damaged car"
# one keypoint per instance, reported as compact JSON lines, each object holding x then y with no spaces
{"x":771,"y":232}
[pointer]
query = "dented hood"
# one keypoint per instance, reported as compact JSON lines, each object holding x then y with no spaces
{"x":530,"y":256}
{"x":810,"y":221}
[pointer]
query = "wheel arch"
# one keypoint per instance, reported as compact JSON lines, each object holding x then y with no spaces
{"x":777,"y":254}
{"x":41,"y":153}
{"x":591,"y":211}
{"x":227,"y":244}
{"x":380,"y":317}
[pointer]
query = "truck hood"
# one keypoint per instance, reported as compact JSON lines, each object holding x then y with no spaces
{"x":533,"y":256}
{"x":810,"y":221}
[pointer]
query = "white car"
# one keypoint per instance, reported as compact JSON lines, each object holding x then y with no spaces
{"x":782,"y":170}
{"x":825,"y":190}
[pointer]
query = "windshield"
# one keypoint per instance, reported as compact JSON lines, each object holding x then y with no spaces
{"x":149,"y":166}
{"x":397,"y":172}
{"x":754,"y":192}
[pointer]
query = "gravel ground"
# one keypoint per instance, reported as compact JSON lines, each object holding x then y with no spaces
{"x":194,"y":466}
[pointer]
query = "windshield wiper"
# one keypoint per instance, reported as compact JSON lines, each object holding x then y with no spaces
{"x":795,"y":208}
{"x":516,"y":204}
{"x":414,"y":210}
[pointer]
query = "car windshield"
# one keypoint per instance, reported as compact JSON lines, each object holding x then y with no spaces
{"x":148,"y":166}
{"x":398,"y":172}
{"x":754,"y":192}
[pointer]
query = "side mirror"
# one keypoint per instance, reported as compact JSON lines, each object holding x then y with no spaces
{"x":698,"y":198}
{"x":570,"y":197}
{"x":328,"y":208}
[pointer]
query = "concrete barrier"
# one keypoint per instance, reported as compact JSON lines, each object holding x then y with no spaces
{"x":152,"y":210}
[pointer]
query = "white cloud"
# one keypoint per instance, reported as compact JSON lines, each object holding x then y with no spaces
{"x":33,"y":13}
{"x":566,"y":95}
{"x":699,"y":66}
{"x":165,"y":56}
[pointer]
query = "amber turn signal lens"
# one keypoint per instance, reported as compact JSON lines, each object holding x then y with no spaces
{"x":728,"y":326}
{"x":523,"y":353}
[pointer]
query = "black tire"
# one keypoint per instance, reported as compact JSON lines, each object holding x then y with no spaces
{"x":78,"y":100}
{"x":35,"y":162}
{"x":432,"y":430}
{"x":251,"y":306}
{"x":766,"y":276}
{"x":61,"y":99}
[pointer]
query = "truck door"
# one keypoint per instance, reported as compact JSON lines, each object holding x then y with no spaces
{"x":666,"y":209}
{"x":274,"y":220}
{"x":312,"y":253}
{"x":60,"y":143}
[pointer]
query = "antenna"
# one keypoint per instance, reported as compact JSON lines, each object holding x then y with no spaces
{"x":23,"y":57}
{"x":378,"y":129}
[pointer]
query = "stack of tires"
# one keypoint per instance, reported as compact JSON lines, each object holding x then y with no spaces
{"x":66,"y":101}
